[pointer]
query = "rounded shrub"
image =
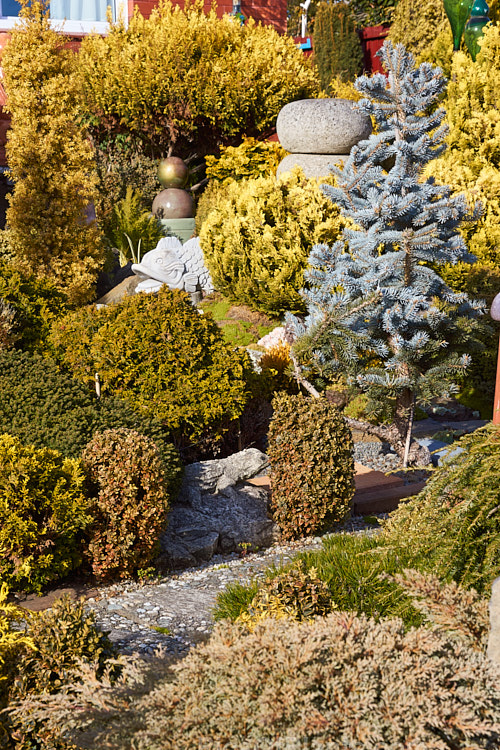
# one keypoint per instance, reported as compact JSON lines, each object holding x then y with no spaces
{"x":161,"y":355}
{"x":251,"y":159}
{"x":296,"y":593}
{"x":46,"y":407}
{"x":257,"y":242}
{"x":126,"y":481}
{"x":312,"y":467}
{"x":43,"y":511}
{"x":454,"y":523}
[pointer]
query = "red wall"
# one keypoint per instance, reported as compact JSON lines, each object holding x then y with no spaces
{"x":270,"y":12}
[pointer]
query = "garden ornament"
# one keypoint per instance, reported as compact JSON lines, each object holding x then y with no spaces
{"x":495,"y":314}
{"x":179,"y":266}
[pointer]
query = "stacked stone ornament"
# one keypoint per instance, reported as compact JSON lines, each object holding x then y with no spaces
{"x":174,"y":205}
{"x":319,"y":132}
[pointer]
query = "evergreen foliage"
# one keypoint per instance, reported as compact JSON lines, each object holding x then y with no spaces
{"x":310,"y":451}
{"x":46,"y":407}
{"x":337,"y":49}
{"x":454,"y":523}
{"x":49,"y":158}
{"x":133,"y":230}
{"x":43,"y":511}
{"x":129,"y":500}
{"x":34,"y":303}
{"x":416,"y":25}
{"x":247,"y":161}
{"x":184,"y":82}
{"x":57,"y":641}
{"x":158,"y":353}
{"x":377,"y":309}
{"x":257,"y":240}
{"x":341,"y":681}
{"x":471,"y":165}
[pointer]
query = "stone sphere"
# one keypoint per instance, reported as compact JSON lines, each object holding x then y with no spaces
{"x":321,"y":126}
{"x":172,"y":172}
{"x":173,"y":203}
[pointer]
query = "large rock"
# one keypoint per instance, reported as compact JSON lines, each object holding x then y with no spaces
{"x":216,"y":511}
{"x":321,"y":126}
{"x":313,"y":165}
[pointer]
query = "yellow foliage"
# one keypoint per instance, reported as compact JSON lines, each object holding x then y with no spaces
{"x":188,"y":81}
{"x":10,"y":639}
{"x":252,"y":158}
{"x":50,"y":159}
{"x":471,"y":164}
{"x":257,"y":241}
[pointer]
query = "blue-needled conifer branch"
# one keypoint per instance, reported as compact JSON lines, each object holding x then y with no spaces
{"x":377,"y":309}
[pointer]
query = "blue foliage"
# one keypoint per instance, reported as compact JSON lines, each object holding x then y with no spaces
{"x":377,"y":308}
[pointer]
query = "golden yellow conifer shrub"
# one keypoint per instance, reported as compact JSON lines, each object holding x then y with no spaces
{"x":188,"y":82}
{"x":50,"y":159}
{"x":257,"y":239}
{"x":471,"y":165}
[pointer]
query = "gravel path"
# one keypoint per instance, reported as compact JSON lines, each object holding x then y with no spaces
{"x":181,"y":605}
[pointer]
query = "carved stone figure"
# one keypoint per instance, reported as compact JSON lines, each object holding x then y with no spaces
{"x":179,"y":266}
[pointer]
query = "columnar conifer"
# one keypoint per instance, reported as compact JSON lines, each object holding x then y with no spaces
{"x":49,"y":158}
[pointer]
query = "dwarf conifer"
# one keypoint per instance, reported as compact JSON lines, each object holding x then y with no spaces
{"x":377,"y":308}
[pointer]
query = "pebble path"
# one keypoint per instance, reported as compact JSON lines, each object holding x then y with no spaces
{"x":134,"y":614}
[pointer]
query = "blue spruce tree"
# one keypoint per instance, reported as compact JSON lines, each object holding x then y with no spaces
{"x":377,"y":308}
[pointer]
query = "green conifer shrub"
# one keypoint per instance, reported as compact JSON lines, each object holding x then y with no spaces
{"x":339,"y":681}
{"x":454,"y":523}
{"x":50,"y":159}
{"x":46,"y":407}
{"x":257,"y":241}
{"x":310,"y":450}
{"x":129,"y":501}
{"x":162,"y":356}
{"x":416,"y":26}
{"x":43,"y":511}
{"x":337,"y":48}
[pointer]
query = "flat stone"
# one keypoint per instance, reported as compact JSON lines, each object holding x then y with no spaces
{"x":313,"y":165}
{"x":321,"y":126}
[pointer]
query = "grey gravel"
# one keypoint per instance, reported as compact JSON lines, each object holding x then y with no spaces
{"x":182,"y":603}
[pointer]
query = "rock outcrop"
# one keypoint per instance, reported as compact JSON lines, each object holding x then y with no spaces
{"x":217,"y":511}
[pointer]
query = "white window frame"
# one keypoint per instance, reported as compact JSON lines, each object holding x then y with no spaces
{"x":76,"y":28}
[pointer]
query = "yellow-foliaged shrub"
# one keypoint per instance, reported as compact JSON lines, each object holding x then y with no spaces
{"x":185,"y":80}
{"x":252,"y":158}
{"x":50,"y":159}
{"x":257,"y":243}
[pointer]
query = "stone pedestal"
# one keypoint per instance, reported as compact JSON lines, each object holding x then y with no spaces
{"x":313,"y":165}
{"x":184,"y":229}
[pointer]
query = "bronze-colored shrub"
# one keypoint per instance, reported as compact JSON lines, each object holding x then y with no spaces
{"x":312,"y":468}
{"x":129,"y":502}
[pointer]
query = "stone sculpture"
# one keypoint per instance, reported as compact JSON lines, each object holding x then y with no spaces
{"x":319,"y":132}
{"x":179,"y":266}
